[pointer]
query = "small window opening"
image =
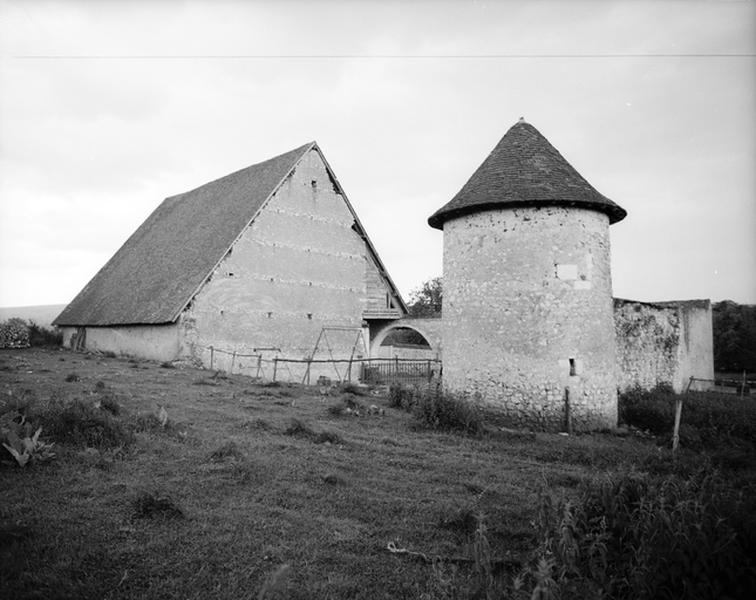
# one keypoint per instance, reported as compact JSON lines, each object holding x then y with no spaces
{"x":270,"y":314}
{"x":314,"y":184}
{"x":221,"y":313}
{"x":388,"y":301}
{"x":573,"y":371}
{"x":309,"y":316}
{"x":230,"y":274}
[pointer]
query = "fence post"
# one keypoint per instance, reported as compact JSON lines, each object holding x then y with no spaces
{"x":676,"y":432}
{"x":307,"y":371}
{"x":742,"y":385}
{"x":430,"y":373}
{"x":212,"y":356}
{"x":233,"y":360}
{"x":567,"y":411}
{"x":275,"y":367}
{"x":349,"y":370}
{"x":259,"y":365}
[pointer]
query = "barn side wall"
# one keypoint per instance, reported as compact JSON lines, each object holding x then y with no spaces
{"x":527,"y":315}
{"x":153,"y":342}
{"x":664,"y":343}
{"x":297,"y":268}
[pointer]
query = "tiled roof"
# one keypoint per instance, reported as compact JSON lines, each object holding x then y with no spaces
{"x":163,"y":264}
{"x":524,"y":169}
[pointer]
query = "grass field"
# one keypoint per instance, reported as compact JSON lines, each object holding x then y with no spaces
{"x":258,"y":491}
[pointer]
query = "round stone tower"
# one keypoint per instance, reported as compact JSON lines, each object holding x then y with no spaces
{"x":527,"y":324}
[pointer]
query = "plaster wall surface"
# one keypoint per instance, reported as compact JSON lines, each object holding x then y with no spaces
{"x":664,"y":343}
{"x":153,"y":342}
{"x":297,"y":268}
{"x":528,"y":314}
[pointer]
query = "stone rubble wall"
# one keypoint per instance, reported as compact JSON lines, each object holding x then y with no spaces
{"x":664,"y":343}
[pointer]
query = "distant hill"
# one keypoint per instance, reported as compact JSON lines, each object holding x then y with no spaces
{"x":42,"y":315}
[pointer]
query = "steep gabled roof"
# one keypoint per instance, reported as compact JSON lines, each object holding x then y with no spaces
{"x":524,"y":169}
{"x":162,"y":266}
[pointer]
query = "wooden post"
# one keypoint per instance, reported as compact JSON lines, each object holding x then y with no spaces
{"x":275,"y":367}
{"x":567,"y":411}
{"x":430,"y":373}
{"x":233,"y":360}
{"x":212,"y":356}
{"x":349,"y":370}
{"x":742,"y":385}
{"x":307,"y":372}
{"x":259,"y":365}
{"x":676,"y":432}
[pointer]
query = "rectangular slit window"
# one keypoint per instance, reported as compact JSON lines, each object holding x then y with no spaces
{"x":572,"y":367}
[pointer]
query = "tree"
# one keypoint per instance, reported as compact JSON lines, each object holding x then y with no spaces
{"x":425,"y":301}
{"x":734,"y":336}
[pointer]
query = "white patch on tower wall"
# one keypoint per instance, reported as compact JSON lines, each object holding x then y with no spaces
{"x":567,"y":272}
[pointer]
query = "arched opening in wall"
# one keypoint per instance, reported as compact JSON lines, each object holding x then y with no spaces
{"x":406,"y":336}
{"x":405,"y":342}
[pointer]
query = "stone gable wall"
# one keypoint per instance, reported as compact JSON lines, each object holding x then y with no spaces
{"x":297,"y":268}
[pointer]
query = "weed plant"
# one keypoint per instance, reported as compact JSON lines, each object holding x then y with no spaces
{"x":635,"y":536}
{"x":300,"y":429}
{"x":80,"y":423}
{"x":438,"y":410}
{"x":154,"y":504}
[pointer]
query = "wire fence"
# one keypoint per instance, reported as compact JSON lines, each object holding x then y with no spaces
{"x":266,"y":363}
{"x":729,"y":386}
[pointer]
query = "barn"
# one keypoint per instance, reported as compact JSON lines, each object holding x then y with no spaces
{"x":271,"y":260}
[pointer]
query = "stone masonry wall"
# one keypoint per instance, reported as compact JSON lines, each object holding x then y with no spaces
{"x":528,"y":314}
{"x":663,"y":343}
{"x":297,"y":268}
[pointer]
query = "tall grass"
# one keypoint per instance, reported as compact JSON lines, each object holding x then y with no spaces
{"x":708,"y":420}
{"x":438,"y":410}
{"x":634,"y":536}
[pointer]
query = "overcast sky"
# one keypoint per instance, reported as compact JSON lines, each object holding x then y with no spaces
{"x":106,"y":108}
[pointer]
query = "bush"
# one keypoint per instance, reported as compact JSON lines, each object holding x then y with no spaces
{"x":633,"y":536}
{"x":14,"y":333}
{"x":42,"y":337}
{"x":446,"y":411}
{"x":82,"y":424}
{"x":708,"y":420}
{"x":401,"y":396}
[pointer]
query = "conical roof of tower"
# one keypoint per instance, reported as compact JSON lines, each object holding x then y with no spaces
{"x":524,"y":169}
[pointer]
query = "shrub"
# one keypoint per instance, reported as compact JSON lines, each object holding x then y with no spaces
{"x":14,"y":333}
{"x":445,"y":411}
{"x":42,"y":337}
{"x":82,"y":424}
{"x":401,"y":396}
